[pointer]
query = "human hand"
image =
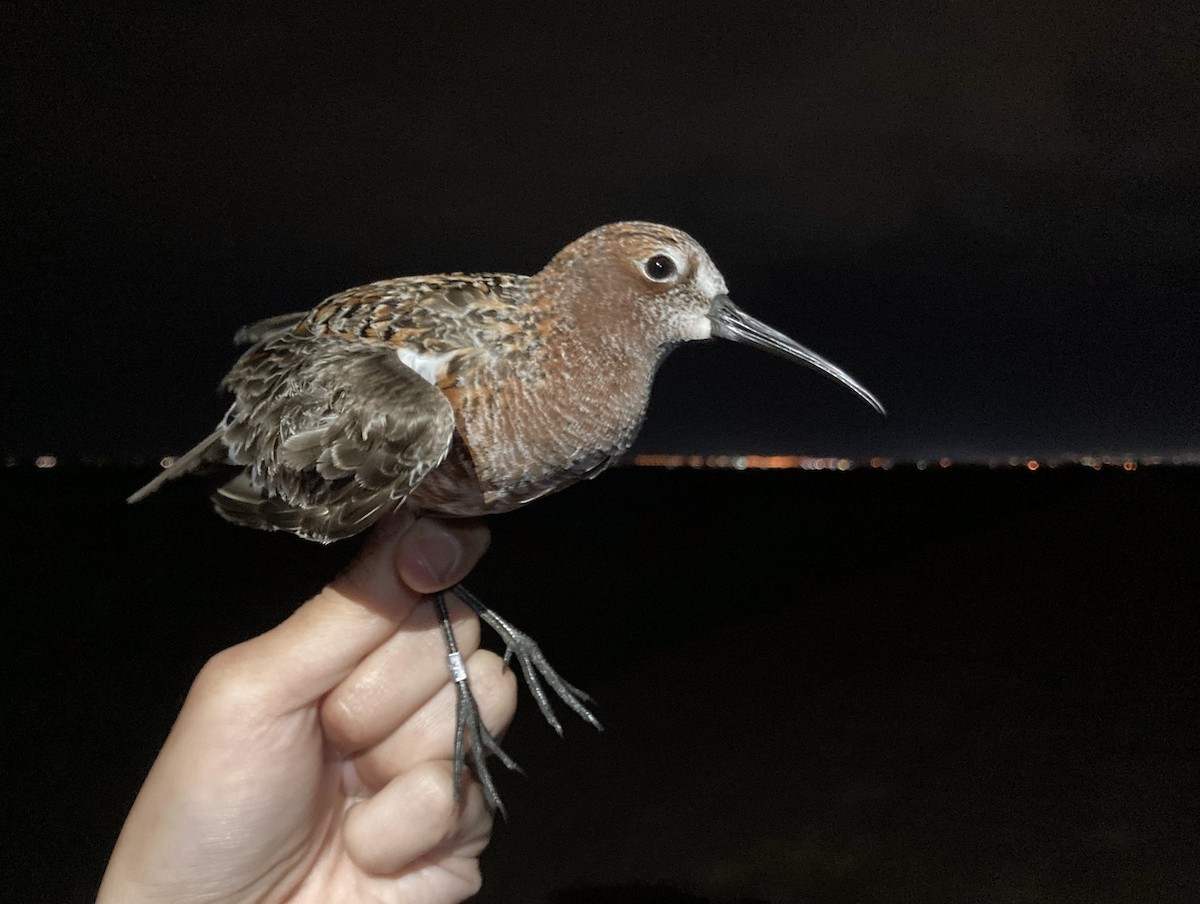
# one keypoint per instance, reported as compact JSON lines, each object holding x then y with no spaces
{"x":313,"y":763}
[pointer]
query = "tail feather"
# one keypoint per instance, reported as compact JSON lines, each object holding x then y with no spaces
{"x":199,"y":454}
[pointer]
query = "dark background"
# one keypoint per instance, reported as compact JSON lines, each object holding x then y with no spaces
{"x":938,"y":685}
{"x":989,"y":213}
{"x":945,"y":685}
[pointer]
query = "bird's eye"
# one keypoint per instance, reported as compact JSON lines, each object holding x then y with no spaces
{"x":660,"y":268}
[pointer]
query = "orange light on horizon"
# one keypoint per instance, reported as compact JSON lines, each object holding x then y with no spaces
{"x":754,"y":462}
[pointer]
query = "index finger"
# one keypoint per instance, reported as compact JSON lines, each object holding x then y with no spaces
{"x":308,"y":654}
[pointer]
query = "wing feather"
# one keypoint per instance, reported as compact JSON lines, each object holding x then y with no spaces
{"x":332,"y":434}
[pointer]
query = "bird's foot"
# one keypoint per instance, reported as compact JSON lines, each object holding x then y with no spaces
{"x":533,"y":664}
{"x":470,"y":734}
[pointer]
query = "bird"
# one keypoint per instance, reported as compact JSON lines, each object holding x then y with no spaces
{"x":467,"y":394}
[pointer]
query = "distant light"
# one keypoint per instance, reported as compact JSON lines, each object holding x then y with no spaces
{"x":745,"y":462}
{"x":775,"y":462}
{"x":45,"y":461}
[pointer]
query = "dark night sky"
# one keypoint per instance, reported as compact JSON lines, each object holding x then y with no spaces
{"x":991,"y":217}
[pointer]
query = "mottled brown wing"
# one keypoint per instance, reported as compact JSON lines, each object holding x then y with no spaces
{"x":333,"y":434}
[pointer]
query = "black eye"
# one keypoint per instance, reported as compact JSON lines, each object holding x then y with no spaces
{"x":660,"y":268}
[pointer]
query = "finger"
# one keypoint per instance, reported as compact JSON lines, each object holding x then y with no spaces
{"x":414,"y":816}
{"x":303,"y":658}
{"x":431,"y":553}
{"x":396,"y":679}
{"x":429,"y":733}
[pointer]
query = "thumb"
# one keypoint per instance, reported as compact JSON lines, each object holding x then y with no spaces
{"x":310,"y":653}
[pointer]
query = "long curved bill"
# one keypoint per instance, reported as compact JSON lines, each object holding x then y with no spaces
{"x":731,"y":322}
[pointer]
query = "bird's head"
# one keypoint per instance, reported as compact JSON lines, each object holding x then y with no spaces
{"x":647,"y":287}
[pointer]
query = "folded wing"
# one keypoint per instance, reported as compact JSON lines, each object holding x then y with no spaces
{"x":332,"y":438}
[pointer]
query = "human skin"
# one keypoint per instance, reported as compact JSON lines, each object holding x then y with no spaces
{"x":313,"y":763}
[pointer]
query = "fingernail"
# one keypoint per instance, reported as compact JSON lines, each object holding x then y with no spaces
{"x":438,"y":554}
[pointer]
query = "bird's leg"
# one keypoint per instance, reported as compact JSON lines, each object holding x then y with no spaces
{"x":534,"y":667}
{"x":533,"y":663}
{"x":481,"y":742}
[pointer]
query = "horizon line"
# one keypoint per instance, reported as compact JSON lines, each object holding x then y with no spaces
{"x":742,"y":462}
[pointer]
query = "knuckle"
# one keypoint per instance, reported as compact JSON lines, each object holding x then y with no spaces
{"x":231,"y":682}
{"x":342,"y":721}
{"x":430,"y":787}
{"x":493,"y":683}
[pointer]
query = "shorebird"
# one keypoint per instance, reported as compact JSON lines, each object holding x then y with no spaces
{"x":465,"y":395}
